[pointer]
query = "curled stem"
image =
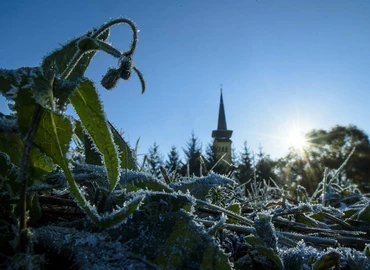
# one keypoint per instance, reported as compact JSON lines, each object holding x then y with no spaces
{"x":104,"y":27}
{"x":104,"y":46}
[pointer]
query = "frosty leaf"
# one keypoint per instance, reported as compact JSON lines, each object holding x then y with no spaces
{"x":227,"y":212}
{"x":60,"y":58}
{"x":12,"y":144}
{"x":86,"y":103}
{"x":24,"y":106}
{"x":62,"y":89}
{"x":85,"y":250}
{"x":52,"y":138}
{"x":261,"y":247}
{"x":367,"y":251}
{"x":302,"y":218}
{"x":8,"y":174}
{"x":42,"y":88}
{"x":172,"y":240}
{"x":218,"y":225}
{"x":266,"y":230}
{"x":299,"y":257}
{"x":120,"y":215}
{"x":157,"y":203}
{"x":199,"y":187}
{"x":236,"y":208}
{"x":129,"y":180}
{"x":134,"y":181}
{"x":125,"y":153}
{"x":12,"y":80}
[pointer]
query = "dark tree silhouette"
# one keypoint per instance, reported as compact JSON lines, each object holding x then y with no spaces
{"x":155,"y":160}
{"x":212,"y":159}
{"x":244,"y":171}
{"x":329,"y":149}
{"x":173,"y":161}
{"x":192,"y":153}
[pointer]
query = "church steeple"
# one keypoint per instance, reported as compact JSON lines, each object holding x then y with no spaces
{"x":221,"y":131}
{"x":221,"y":115}
{"x":222,"y":142}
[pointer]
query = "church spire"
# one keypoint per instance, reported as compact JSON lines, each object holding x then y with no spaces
{"x":221,"y":115}
{"x":221,"y":132}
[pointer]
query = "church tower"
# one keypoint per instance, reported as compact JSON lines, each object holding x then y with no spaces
{"x":222,"y":142}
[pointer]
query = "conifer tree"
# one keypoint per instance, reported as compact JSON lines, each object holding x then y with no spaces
{"x":173,"y":161}
{"x":192,"y":153}
{"x":155,"y":160}
{"x":212,"y":160}
{"x":244,"y":171}
{"x":265,"y":167}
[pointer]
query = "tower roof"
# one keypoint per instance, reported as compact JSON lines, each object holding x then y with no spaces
{"x":221,"y":115}
{"x":222,"y":132}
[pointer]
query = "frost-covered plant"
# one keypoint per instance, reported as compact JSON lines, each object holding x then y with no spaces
{"x":36,"y":137}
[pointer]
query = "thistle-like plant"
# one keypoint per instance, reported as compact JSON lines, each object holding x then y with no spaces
{"x":38,"y":126}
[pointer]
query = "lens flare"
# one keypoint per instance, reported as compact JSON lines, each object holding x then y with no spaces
{"x":296,"y":139}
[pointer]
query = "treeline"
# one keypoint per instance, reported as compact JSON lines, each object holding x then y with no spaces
{"x":324,"y":154}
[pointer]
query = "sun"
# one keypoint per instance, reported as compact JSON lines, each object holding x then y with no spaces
{"x":296,"y":139}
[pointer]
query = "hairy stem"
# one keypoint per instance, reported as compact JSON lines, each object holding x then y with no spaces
{"x":116,"y":22}
{"x":23,"y":177}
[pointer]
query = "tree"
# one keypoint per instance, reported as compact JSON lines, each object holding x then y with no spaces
{"x":155,"y":160}
{"x":329,"y":149}
{"x":192,"y":153}
{"x":173,"y":161}
{"x":212,"y":160}
{"x":265,"y":167}
{"x":244,"y":171}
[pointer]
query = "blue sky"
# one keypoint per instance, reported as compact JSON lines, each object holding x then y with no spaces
{"x":283,"y":64}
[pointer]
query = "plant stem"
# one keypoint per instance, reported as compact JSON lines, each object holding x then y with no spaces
{"x":23,"y":177}
{"x":119,"y":21}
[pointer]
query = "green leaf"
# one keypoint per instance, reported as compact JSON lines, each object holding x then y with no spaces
{"x":138,"y":181}
{"x":60,"y":58}
{"x":327,"y":261}
{"x":24,"y":105}
{"x":12,"y":145}
{"x":40,"y":164}
{"x":53,"y":138}
{"x":86,"y":103}
{"x":125,"y":153}
{"x":42,"y":88}
{"x":236,"y":209}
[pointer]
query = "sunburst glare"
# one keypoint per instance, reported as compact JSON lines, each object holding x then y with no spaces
{"x":297,"y":139}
